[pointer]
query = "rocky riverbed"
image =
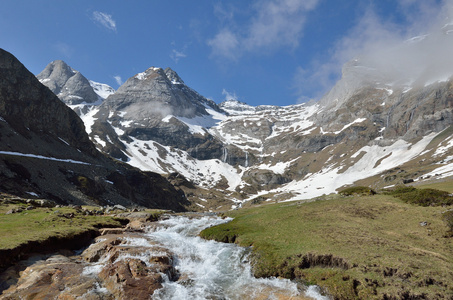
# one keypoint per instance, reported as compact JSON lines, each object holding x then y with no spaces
{"x":119,"y":274}
{"x":133,"y":263}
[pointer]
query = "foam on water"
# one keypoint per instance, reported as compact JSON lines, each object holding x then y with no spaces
{"x":214,"y":270}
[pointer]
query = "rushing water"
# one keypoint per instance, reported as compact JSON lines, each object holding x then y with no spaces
{"x":215,"y":270}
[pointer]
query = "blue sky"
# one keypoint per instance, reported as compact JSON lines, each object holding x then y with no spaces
{"x":277,"y":52}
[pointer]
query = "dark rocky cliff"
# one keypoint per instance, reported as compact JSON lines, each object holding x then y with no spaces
{"x":45,"y":152}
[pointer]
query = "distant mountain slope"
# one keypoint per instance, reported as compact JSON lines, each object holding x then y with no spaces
{"x":380,"y":125}
{"x":103,"y":90}
{"x":45,"y":151}
{"x":292,"y":152}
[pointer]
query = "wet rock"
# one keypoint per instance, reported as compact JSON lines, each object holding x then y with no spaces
{"x":130,"y":279}
{"x":100,"y":248}
{"x":58,"y":277}
{"x":135,"y":226}
{"x":131,"y":270}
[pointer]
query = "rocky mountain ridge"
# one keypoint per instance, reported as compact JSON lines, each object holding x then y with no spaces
{"x":68,"y":84}
{"x":363,"y":128}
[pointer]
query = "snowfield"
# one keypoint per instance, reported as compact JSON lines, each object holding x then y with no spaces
{"x":375,"y":160}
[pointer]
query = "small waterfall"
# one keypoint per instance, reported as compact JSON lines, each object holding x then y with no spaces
{"x":246,"y":159}
{"x":225,"y":154}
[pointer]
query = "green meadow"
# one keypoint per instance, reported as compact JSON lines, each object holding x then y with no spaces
{"x":354,"y":247}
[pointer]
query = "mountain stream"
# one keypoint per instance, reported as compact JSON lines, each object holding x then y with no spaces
{"x":216,"y":270}
{"x":163,"y":260}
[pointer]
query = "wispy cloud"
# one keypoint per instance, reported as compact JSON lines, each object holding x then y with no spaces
{"x":104,"y":20}
{"x":118,"y":80}
{"x":274,"y":24}
{"x":229,"y":95}
{"x":176,"y":55}
{"x":64,"y":49}
{"x":385,"y":47}
{"x":225,"y":44}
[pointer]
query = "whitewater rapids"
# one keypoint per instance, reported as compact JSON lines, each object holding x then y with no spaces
{"x":215,"y":270}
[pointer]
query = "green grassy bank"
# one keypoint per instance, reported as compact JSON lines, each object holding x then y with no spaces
{"x":26,"y":229}
{"x":356,"y":247}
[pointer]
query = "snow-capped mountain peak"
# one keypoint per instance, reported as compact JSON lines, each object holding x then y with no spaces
{"x":103,"y":90}
{"x":368,"y":124}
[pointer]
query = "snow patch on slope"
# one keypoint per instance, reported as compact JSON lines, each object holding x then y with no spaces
{"x":103,"y":90}
{"x":87,"y":118}
{"x":375,"y":160}
{"x":44,"y":157}
{"x":199,"y":124}
{"x":152,"y":156}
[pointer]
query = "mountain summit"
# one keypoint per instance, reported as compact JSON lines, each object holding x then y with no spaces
{"x":157,"y":92}
{"x":156,"y":106}
{"x":70,"y":85}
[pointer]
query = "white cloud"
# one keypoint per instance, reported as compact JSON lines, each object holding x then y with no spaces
{"x":225,"y":44}
{"x":229,"y":96}
{"x":274,"y":24}
{"x":384,"y":46}
{"x":278,"y":23}
{"x":176,"y":55}
{"x":224,"y":13}
{"x":118,"y":80}
{"x":105,"y":20}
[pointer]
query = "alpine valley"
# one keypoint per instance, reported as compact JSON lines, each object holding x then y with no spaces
{"x":80,"y":159}
{"x":370,"y":129}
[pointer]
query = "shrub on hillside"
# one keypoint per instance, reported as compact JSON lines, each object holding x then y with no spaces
{"x":422,"y":197}
{"x":399,"y":190}
{"x":357,"y":190}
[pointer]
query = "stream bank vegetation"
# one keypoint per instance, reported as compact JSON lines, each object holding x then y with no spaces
{"x":394,"y":244}
{"x":36,"y":226}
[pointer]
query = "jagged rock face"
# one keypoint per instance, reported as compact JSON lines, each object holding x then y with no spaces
{"x":157,"y":92}
{"x":69,"y":85}
{"x":157,"y":106}
{"x":234,"y":107}
{"x":395,"y":113}
{"x":46,"y":152}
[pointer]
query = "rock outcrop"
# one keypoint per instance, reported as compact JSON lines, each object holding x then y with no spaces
{"x":108,"y":269}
